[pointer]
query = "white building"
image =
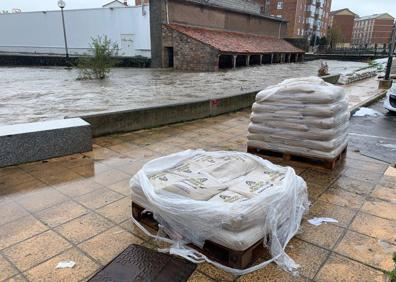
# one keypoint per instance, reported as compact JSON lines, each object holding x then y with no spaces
{"x":42,"y":32}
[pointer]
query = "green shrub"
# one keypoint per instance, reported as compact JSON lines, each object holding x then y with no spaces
{"x":98,"y":63}
{"x":392,"y":274}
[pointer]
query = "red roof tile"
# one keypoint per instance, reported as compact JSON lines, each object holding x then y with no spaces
{"x":236,"y":42}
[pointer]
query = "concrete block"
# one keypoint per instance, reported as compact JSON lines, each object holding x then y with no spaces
{"x":28,"y":142}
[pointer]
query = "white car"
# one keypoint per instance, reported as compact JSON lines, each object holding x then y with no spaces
{"x":390,"y":100}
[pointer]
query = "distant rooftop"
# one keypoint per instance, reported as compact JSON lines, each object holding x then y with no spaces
{"x":375,"y":16}
{"x":236,"y":42}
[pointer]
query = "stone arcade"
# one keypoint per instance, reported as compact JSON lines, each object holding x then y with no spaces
{"x":190,"y":35}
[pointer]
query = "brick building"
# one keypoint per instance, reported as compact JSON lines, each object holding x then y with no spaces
{"x":343,"y":21}
{"x":189,"y":35}
{"x":305,"y":17}
{"x":139,"y":2}
{"x":373,"y":31}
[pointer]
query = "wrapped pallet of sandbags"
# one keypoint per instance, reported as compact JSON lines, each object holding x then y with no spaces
{"x":235,"y":200}
{"x":303,"y":116}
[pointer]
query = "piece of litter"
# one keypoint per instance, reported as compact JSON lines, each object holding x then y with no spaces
{"x":364,"y":112}
{"x":65,"y":264}
{"x":319,"y":220}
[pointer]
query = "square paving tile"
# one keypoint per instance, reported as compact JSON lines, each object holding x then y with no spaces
{"x":19,"y":230}
{"x":374,"y":226}
{"x":110,"y":176}
{"x":325,"y":235}
{"x":61,"y":213}
{"x":6,"y":269}
{"x":105,"y":246}
{"x":118,"y":211}
{"x":17,"y":278}
{"x":84,"y":227}
{"x":384,"y":193}
{"x":10,"y":211}
{"x":214,"y":272}
{"x":41,"y":199}
{"x":324,"y":209}
{"x":342,"y":198}
{"x":35,"y":250}
{"x":308,"y":256}
{"x":78,"y":188}
{"x":271,"y":273}
{"x":380,"y":208}
{"x":353,"y":185}
{"x":131,"y":227}
{"x":368,"y":250}
{"x":121,"y":187}
{"x":47,"y":271}
{"x":99,"y":198}
{"x":363,"y":175}
{"x":199,"y":277}
{"x":338,"y":268}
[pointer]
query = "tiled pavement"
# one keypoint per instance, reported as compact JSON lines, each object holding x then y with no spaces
{"x":78,"y":208}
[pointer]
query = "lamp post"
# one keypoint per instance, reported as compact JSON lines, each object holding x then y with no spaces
{"x":61,"y":5}
{"x":391,"y":51}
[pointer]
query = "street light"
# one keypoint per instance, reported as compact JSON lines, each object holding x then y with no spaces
{"x":61,"y":5}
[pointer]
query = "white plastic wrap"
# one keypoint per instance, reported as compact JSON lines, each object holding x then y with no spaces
{"x":257,"y":199}
{"x":303,"y":116}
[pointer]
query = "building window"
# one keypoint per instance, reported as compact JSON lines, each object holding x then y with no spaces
{"x":279,"y":5}
{"x":279,"y":16}
{"x":298,"y":31}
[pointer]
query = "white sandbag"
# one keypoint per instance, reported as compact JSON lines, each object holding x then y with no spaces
{"x":292,"y":110}
{"x":311,"y":134}
{"x":311,"y":90}
{"x":197,"y":187}
{"x":228,"y":197}
{"x":301,"y":123}
{"x":277,"y":212}
{"x":325,"y":146}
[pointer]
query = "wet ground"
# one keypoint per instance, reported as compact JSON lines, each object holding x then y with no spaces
{"x":33,"y":94}
{"x":375,"y":136}
{"x":79,"y":207}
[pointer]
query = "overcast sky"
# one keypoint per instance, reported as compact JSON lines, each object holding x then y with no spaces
{"x":360,"y":7}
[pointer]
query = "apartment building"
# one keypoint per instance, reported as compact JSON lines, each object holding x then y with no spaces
{"x":305,"y":17}
{"x":373,"y":31}
{"x":343,"y":21}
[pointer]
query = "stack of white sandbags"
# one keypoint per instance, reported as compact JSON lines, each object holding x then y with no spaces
{"x":233,"y":199}
{"x":302,"y":116}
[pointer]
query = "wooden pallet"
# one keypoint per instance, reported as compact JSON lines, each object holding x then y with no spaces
{"x":221,"y":254}
{"x":286,"y":156}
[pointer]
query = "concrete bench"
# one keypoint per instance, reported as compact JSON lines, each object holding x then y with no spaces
{"x":28,"y":142}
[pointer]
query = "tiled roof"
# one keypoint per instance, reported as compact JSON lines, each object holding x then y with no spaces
{"x":236,"y":42}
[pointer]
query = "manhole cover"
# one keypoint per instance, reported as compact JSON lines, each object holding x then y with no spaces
{"x":137,"y":263}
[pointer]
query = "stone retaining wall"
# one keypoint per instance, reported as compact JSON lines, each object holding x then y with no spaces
{"x":130,"y":120}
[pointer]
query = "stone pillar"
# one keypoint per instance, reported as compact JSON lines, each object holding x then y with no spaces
{"x":289,"y":59}
{"x":261,"y":59}
{"x":282,"y":58}
{"x":302,"y":58}
{"x":247,"y":60}
{"x":234,"y":61}
{"x":272,"y":58}
{"x":296,"y":60}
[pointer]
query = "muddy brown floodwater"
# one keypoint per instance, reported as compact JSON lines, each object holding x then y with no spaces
{"x":33,"y":94}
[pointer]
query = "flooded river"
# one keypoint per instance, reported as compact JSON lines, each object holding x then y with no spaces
{"x":33,"y":94}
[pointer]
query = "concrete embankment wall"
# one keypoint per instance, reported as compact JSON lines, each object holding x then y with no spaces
{"x":341,"y":57}
{"x":143,"y":118}
{"x":43,"y":60}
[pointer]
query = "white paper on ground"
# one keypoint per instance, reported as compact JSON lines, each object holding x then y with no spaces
{"x":65,"y":264}
{"x":319,"y":220}
{"x":363,"y":112}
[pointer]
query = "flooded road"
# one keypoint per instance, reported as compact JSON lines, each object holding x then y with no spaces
{"x":33,"y":94}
